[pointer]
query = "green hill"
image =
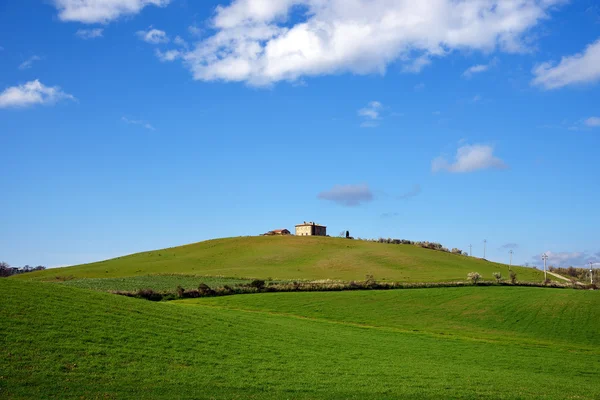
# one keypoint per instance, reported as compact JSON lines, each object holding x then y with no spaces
{"x":293,"y":258}
{"x":472,"y":342}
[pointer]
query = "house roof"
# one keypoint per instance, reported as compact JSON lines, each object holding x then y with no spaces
{"x":311,"y":224}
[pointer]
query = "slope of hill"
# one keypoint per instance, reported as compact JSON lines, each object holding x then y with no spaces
{"x":63,"y":342}
{"x":293,"y":258}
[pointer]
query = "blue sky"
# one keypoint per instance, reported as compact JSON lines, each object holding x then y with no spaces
{"x":129,"y":125}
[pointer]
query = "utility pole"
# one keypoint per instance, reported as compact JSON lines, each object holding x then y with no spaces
{"x":470,"y":250}
{"x":591,"y":273}
{"x":545,"y":257}
{"x":484,"y":245}
{"x":510,"y":265}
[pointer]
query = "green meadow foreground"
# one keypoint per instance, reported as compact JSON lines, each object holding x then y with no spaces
{"x":472,"y":342}
{"x":293,"y":258}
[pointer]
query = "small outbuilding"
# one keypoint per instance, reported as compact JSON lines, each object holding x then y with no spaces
{"x":278,"y":232}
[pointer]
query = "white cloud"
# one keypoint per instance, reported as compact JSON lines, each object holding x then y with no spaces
{"x":348,"y":195}
{"x":475,"y":69}
{"x":169,"y":55}
{"x":479,"y":68}
{"x":153,"y":36}
{"x":256,"y":42}
{"x":577,"y":69}
{"x":371,"y":114}
{"x":32,"y":93}
{"x":469,"y":158}
{"x":101,"y":11}
{"x":138,"y":122}
{"x":592,"y":122}
{"x":89,"y":33}
{"x":194,"y":30}
{"x":371,"y":111}
{"x":179,"y":41}
{"x":29,"y":62}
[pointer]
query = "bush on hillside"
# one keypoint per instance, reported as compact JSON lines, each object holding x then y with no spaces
{"x":474,"y":277}
{"x":513,"y":277}
{"x":498,"y":276}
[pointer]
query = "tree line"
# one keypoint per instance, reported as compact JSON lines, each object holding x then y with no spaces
{"x":7,"y":270}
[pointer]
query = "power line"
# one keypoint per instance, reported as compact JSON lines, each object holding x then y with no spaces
{"x":591,"y":273}
{"x":484,"y":246}
{"x":471,"y":250}
{"x":511,"y":253}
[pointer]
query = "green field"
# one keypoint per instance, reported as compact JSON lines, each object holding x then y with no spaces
{"x":473,"y":342}
{"x":156,"y":282}
{"x":64,"y":337}
{"x":293,"y":258}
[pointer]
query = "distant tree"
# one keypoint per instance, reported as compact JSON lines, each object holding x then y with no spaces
{"x":513,"y":277}
{"x":4,"y":269}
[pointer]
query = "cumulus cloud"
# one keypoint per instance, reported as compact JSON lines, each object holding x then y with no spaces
{"x":592,"y":122}
{"x":29,"y":62}
{"x":566,"y":259}
{"x":101,"y":11}
{"x":89,"y":33}
{"x":577,"y":69}
{"x":469,"y":158}
{"x":138,"y":122}
{"x":30,"y":94}
{"x":153,"y":36}
{"x":256,"y":41}
{"x":348,"y":195}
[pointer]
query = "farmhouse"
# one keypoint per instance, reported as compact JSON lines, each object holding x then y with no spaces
{"x":311,"y":229}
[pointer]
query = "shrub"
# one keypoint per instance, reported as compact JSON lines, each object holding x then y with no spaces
{"x":257,"y":283}
{"x":547,"y":281}
{"x":149,"y":294}
{"x":180,"y":291}
{"x":474,"y":277}
{"x":370,"y":281}
{"x":498,"y":276}
{"x":204,"y":289}
{"x":513,"y":277}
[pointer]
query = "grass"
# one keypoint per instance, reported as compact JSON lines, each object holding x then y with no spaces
{"x":485,"y":343}
{"x":292,"y":258}
{"x":155,"y":282}
{"x":538,"y":314}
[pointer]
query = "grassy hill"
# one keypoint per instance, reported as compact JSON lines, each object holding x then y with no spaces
{"x":495,"y":343}
{"x":293,"y":258}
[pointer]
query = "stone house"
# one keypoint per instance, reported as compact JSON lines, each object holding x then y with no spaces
{"x":311,"y":229}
